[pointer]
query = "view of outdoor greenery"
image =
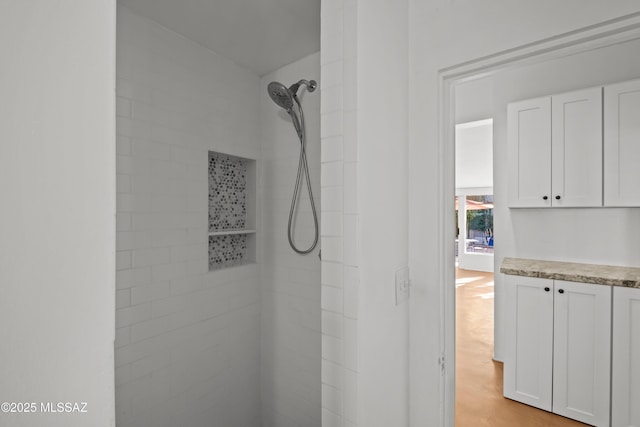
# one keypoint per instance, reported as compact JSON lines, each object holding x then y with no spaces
{"x":479,"y":233}
{"x":480,"y":220}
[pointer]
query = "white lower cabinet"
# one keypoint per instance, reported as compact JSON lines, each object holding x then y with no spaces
{"x":625,"y":390}
{"x":558,"y":353}
{"x":528,"y":364}
{"x":582,"y":351}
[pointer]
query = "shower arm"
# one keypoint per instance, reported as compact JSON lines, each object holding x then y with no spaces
{"x":310,"y":84}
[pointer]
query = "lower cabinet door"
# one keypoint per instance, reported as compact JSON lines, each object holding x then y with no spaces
{"x":529,"y":337}
{"x":582,"y":352}
{"x":625,"y":393}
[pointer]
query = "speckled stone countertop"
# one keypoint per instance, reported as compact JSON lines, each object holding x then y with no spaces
{"x":628,"y":277}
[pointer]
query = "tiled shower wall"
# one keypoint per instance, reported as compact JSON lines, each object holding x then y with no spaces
{"x":340,"y":216}
{"x":291,"y":391}
{"x":187,"y":341}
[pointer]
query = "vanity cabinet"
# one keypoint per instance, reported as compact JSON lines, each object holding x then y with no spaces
{"x":625,"y":384}
{"x":558,"y":353}
{"x":622,"y":144}
{"x":555,"y":150}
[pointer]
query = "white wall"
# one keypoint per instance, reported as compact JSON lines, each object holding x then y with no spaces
{"x":443,"y":34}
{"x":474,"y":100}
{"x":474,"y":154}
{"x":57,"y":218}
{"x":364,"y":133}
{"x":290,"y":350}
{"x":187,"y":341}
{"x":382,"y":190}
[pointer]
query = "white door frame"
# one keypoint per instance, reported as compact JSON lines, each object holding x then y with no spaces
{"x":607,"y":33}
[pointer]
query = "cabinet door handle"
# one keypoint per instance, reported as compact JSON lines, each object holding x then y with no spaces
{"x":561,"y":291}
{"x":545,"y":197}
{"x":558,"y":197}
{"x":546,"y":289}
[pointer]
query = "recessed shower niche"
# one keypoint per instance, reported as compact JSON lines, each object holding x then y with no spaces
{"x":232,"y":210}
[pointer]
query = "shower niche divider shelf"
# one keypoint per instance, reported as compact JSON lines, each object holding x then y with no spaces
{"x":232,"y":210}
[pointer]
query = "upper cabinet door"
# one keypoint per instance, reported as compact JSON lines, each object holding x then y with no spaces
{"x":622,"y":144}
{"x":582,"y":352}
{"x":625,"y":383}
{"x":529,"y":134}
{"x":577,"y":149}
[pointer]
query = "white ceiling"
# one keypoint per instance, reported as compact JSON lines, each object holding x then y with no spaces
{"x":262,"y":35}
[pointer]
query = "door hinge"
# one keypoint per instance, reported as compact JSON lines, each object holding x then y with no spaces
{"x":442,"y":365}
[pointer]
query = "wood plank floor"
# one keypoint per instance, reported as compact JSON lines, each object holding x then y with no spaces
{"x":479,"y":400}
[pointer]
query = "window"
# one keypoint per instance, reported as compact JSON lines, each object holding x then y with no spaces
{"x":479,"y":236}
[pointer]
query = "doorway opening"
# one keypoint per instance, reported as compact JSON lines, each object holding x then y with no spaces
{"x":474,"y":194}
{"x":479,"y":391}
{"x":608,"y":34}
{"x":479,"y":376}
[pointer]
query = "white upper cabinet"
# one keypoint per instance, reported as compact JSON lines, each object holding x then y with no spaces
{"x":576,"y":155}
{"x":576,"y":149}
{"x":529,"y":128}
{"x":622,"y":144}
{"x":625,"y":382}
{"x":555,"y":150}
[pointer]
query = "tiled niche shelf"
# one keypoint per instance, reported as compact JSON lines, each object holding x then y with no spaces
{"x":232,"y":213}
{"x":227,"y":233}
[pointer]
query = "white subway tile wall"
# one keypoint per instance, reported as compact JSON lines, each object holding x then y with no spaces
{"x":291,"y":320}
{"x":194,"y":347}
{"x":340,"y":276}
{"x":187,"y":341}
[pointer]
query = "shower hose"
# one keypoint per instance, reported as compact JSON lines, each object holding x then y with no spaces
{"x":303,"y":173}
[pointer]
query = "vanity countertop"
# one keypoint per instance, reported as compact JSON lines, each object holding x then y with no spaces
{"x":598,"y":274}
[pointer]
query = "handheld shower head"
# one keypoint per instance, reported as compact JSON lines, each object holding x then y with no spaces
{"x":281,"y":95}
{"x":284,"y":97}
